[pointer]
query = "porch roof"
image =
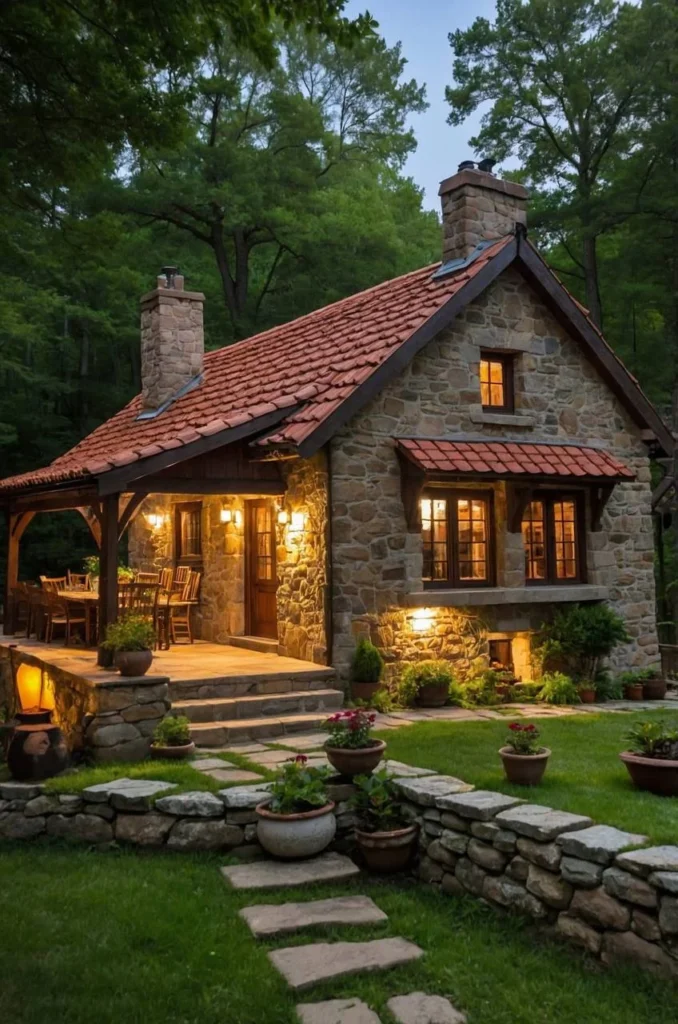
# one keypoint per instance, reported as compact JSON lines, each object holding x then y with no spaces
{"x":513,"y":459}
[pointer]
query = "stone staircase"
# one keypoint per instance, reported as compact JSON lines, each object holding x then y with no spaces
{"x":233,"y":709}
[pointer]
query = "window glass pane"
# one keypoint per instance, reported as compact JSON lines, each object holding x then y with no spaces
{"x":492,"y":382}
{"x":484,"y":382}
{"x":472,"y":540}
{"x":190,"y":533}
{"x":565,"y":540}
{"x":534,"y":540}
{"x":434,"y":538}
{"x":264,"y":543}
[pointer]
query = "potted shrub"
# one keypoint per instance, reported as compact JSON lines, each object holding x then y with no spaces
{"x":557,"y":688}
{"x":587,"y":692}
{"x":132,"y":640}
{"x":654,"y":684}
{"x":632,"y":684}
{"x":523,"y":756}
{"x":427,"y":684}
{"x":172,"y":738}
{"x":297,"y":820}
{"x":577,"y":639}
{"x":385,"y":839}
{"x":350,"y":748}
{"x":652,"y":757}
{"x":367,"y":666}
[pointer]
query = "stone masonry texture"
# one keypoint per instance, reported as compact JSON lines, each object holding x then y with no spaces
{"x":172,"y":342}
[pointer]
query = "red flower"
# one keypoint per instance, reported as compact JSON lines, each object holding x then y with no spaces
{"x":301,"y":759}
{"x":515,"y":726}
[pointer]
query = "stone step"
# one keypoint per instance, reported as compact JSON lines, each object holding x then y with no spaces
{"x":226,"y":709}
{"x":337,"y":1011}
{"x":220,"y":734}
{"x":251,"y":685}
{"x":276,"y":874}
{"x":266,"y":920}
{"x":305,"y":966}
{"x":255,"y":643}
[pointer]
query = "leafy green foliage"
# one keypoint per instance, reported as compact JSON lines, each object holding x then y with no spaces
{"x":654,"y":738}
{"x":382,"y":701}
{"x":350,"y":729}
{"x":298,"y":788}
{"x":172,"y":732}
{"x":637,"y":675}
{"x":425,"y":673}
{"x":367,"y":663}
{"x":607,"y":686}
{"x":525,"y":693}
{"x":578,"y":638}
{"x":481,"y":691}
{"x":557,"y":688}
{"x":377,"y":802}
{"x":523,"y":738}
{"x":131,"y":633}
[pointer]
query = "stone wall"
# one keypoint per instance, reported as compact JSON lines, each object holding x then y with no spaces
{"x":477,"y":207}
{"x":558,"y":395}
{"x":555,"y":867}
{"x":172,"y":341}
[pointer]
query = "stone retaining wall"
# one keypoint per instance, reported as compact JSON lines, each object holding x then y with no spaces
{"x":558,"y":868}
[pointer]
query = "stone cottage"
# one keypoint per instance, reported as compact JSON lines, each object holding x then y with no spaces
{"x":437,"y":462}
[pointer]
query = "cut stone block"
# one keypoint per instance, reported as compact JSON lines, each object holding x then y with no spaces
{"x":127,"y":794}
{"x":428,"y":790}
{"x":242,"y":798}
{"x":311,"y":741}
{"x":191,"y":805}
{"x":232,"y":775}
{"x":337,"y":1011}
{"x":304,"y":966}
{"x":272,"y":757}
{"x":626,"y":886}
{"x":20,"y":790}
{"x":265,"y":919}
{"x":418,"y":1008}
{"x":537,"y":822}
{"x":665,"y":880}
{"x":406,"y":771}
{"x":655,"y":858}
{"x":273,"y":874}
{"x":481,"y":804}
{"x":600,"y":843}
{"x":207,"y":763}
{"x":245,"y":749}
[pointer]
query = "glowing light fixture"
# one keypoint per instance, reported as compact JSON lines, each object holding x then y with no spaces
{"x":237,"y":517}
{"x":298,"y":521}
{"x":226,"y":515}
{"x":35,"y":688}
{"x":155,"y":520}
{"x":283,"y":517}
{"x":421,"y":620}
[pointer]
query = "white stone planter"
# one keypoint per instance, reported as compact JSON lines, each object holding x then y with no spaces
{"x":291,"y":836}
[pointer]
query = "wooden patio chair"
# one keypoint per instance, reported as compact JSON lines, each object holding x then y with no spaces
{"x":180,"y":610}
{"x":37,"y":598}
{"x":78,"y":580}
{"x":181,"y":574}
{"x":166,"y":578}
{"x":67,"y":614}
{"x":53,"y":584}
{"x":140,"y":599}
{"x":162,"y":620}
{"x":147,"y":577}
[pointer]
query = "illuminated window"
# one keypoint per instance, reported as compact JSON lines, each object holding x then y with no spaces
{"x":496,"y":382}
{"x":188,"y":531}
{"x":456,"y":539}
{"x":552,"y":540}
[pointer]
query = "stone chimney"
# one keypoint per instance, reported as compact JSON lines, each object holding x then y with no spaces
{"x":172,"y":339}
{"x":478,"y":207}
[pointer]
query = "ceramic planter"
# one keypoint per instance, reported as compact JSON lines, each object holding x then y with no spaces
{"x":654,"y":774}
{"x":364,"y":691}
{"x":587,"y":696}
{"x":387,"y":852}
{"x":524,"y":769}
{"x":37,"y":749}
{"x":292,"y":836}
{"x":360,"y":761}
{"x":432,"y":695}
{"x":161,"y":753}
{"x":633,"y":692}
{"x":654,"y":689}
{"x":133,"y":663}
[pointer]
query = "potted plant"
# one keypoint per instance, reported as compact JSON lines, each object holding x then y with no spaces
{"x":132,"y":640}
{"x":367,"y":666}
{"x":557,"y":688}
{"x":652,"y":757}
{"x":587,"y":692}
{"x":632,"y":684}
{"x":172,"y":738}
{"x":350,"y":748}
{"x":385,"y":839}
{"x":297,"y":820}
{"x":91,"y":565}
{"x":523,"y":756}
{"x":426,"y":684}
{"x":577,"y":639}
{"x":654,"y":684}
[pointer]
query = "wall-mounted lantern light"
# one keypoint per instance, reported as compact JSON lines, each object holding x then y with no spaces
{"x":155,"y":520}
{"x":283,"y":517}
{"x":298,"y":522}
{"x":231,"y":515}
{"x":421,"y":620}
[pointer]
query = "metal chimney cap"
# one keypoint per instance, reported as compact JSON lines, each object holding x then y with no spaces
{"x":486,"y":164}
{"x":466,"y":165}
{"x":170,"y":273}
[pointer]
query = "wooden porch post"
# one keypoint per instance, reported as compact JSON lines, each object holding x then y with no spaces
{"x":108,"y":567}
{"x":16,"y":524}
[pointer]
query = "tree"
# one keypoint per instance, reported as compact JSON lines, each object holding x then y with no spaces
{"x":568,"y":85}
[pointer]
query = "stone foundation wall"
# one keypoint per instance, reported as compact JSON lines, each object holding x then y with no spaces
{"x":558,"y":396}
{"x":557,"y":868}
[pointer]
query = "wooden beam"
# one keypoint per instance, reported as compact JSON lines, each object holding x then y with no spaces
{"x":130,"y":511}
{"x":56,"y":501}
{"x":412,"y":482}
{"x":16,"y":525}
{"x":225,"y":486}
{"x":92,"y":520}
{"x":108,"y":569}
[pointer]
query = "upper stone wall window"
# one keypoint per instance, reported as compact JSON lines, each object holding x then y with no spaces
{"x":457,"y":538}
{"x":496,"y":382}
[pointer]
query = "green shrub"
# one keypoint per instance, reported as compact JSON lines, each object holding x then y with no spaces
{"x":653,"y":739}
{"x":383,"y":701}
{"x":172,"y":732}
{"x":608,"y":688}
{"x":525,"y":693}
{"x":427,"y":673}
{"x":367,"y":664}
{"x":578,"y":638}
{"x":377,"y":802}
{"x":481,"y":691}
{"x":635,"y":676}
{"x":133,"y":633}
{"x":557,"y":688}
{"x":298,"y":788}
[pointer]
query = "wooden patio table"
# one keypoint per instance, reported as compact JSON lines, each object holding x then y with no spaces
{"x":90,"y":599}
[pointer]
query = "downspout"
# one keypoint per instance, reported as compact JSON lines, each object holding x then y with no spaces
{"x":329,"y":618}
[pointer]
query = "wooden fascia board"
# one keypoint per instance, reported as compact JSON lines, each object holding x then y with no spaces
{"x":54,"y":500}
{"x":230,"y":485}
{"x":405,"y":353}
{"x":537,"y":272}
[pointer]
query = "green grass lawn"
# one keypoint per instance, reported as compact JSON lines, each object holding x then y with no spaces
{"x":124,"y":938}
{"x":584,"y":773}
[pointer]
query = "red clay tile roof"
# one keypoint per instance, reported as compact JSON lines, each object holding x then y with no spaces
{"x":513,"y":458}
{"x":316,"y":360}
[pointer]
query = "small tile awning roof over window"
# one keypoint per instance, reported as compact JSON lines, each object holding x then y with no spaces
{"x":514,"y":459}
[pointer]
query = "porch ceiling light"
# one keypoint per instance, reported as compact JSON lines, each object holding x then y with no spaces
{"x":421,"y":620}
{"x":155,"y":520}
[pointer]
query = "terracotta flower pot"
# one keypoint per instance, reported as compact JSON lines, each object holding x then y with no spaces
{"x":387,"y":851}
{"x":524,"y":769}
{"x":432,"y":695}
{"x":633,"y":692}
{"x":587,"y":696}
{"x":290,"y":836}
{"x":654,"y":689}
{"x":172,"y":753}
{"x":360,"y":761}
{"x":133,"y":663}
{"x":655,"y":774}
{"x":364,"y":691}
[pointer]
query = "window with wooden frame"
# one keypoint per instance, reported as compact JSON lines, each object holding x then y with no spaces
{"x":457,"y":538}
{"x":553,"y":530}
{"x":496,"y":382}
{"x":188,"y":532}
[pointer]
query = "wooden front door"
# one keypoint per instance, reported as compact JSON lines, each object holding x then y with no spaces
{"x":262,"y":581}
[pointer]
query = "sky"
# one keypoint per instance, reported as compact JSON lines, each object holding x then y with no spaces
{"x":422,"y":28}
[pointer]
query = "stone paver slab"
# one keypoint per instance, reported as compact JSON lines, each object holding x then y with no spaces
{"x":428,"y":790}
{"x":232,"y":775}
{"x":279,"y":919}
{"x":481,"y":804}
{"x":272,"y":757}
{"x":309,"y":741}
{"x":243,"y":748}
{"x":655,"y":858}
{"x":127,"y":794}
{"x":600,"y":843}
{"x":245,"y":798}
{"x":418,"y":1008}
{"x":205,"y":764}
{"x":406,"y":771}
{"x":304,"y":966}
{"x":543,"y":823}
{"x":337,"y":1011}
{"x":191,"y":805}
{"x":274,"y":874}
